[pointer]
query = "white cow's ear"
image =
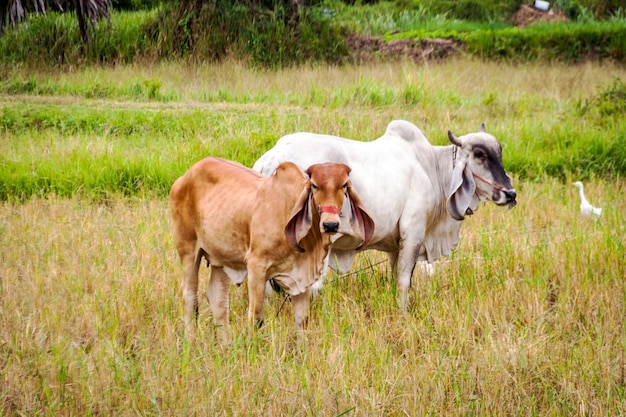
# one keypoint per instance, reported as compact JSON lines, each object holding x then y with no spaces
{"x":462,"y":188}
{"x":361,"y":222}
{"x":300,"y":220}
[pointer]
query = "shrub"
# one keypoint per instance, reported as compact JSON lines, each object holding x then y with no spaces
{"x":608,"y":102}
{"x":274,"y":34}
{"x":568,"y":42}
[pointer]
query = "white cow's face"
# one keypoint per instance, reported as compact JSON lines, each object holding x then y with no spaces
{"x":484,"y":156}
{"x":478,"y":174}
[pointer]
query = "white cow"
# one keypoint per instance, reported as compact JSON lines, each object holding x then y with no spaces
{"x":417,"y":194}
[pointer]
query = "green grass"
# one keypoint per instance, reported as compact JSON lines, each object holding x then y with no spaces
{"x":133,"y":130}
{"x":272,"y":39}
{"x":386,"y":17}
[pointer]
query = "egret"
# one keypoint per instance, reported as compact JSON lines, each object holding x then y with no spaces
{"x":585,"y":207}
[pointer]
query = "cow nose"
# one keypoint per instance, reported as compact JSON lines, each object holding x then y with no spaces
{"x":510,"y":195}
{"x":331,"y":227}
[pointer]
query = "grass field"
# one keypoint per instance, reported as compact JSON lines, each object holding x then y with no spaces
{"x":527,"y":317}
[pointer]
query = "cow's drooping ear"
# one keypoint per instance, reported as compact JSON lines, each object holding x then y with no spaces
{"x":361,"y":222}
{"x":462,"y":188}
{"x":300,"y":219}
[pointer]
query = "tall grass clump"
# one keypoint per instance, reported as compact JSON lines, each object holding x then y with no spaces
{"x":569,"y":42}
{"x":54,"y":40}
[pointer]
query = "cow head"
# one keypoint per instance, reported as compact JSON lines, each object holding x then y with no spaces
{"x":329,"y":186}
{"x":478,"y":174}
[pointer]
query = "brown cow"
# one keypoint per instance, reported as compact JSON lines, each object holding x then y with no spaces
{"x":241,"y":221}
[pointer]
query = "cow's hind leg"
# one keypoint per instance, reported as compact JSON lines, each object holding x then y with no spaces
{"x":191,"y":264}
{"x":217,"y":293}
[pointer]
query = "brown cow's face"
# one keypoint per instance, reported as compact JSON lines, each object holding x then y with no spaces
{"x":329,"y":185}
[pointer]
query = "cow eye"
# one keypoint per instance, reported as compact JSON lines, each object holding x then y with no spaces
{"x":315,"y":187}
{"x":345,"y":186}
{"x":479,"y":155}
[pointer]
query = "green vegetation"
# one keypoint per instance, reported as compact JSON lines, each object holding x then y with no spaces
{"x":101,"y":132}
{"x":199,"y":32}
{"x":275,"y":35}
{"x":54,"y":40}
{"x":569,"y":42}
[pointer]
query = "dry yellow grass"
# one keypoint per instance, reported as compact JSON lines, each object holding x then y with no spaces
{"x":526,"y":318}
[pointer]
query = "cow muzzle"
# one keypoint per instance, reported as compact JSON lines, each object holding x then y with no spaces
{"x":329,"y":216}
{"x":501,"y":195}
{"x":510,"y":196}
{"x":504,"y":197}
{"x":330,"y":227}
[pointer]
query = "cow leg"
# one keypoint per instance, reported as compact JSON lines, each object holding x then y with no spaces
{"x":338,"y":260}
{"x":317,"y":285}
{"x":256,"y":292}
{"x":341,"y":260}
{"x":403,"y":271}
{"x":301,"y":304}
{"x":191,"y":264}
{"x":402,"y":288}
{"x":217,"y":293}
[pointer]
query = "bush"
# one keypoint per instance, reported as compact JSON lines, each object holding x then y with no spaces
{"x":567,"y":42}
{"x":274,"y":34}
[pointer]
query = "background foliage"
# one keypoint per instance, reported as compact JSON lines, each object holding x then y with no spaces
{"x":145,"y":140}
{"x":277,"y":33}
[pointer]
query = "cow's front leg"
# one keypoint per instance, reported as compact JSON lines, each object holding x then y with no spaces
{"x":403,"y":270}
{"x":301,"y":305}
{"x":256,"y":292}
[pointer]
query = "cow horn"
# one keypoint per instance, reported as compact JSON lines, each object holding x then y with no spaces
{"x":483,"y":128}
{"x":453,"y":139}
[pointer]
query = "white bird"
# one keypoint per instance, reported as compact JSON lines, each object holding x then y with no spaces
{"x":585,"y":207}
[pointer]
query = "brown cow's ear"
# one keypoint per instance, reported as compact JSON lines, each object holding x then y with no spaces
{"x":300,"y":220}
{"x":361,"y":222}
